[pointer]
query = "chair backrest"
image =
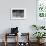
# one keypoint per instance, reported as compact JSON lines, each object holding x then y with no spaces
{"x":14,"y":30}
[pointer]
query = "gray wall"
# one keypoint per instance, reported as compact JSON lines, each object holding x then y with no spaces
{"x":24,"y":25}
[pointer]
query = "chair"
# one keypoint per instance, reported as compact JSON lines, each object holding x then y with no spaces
{"x":7,"y":35}
{"x":14,"y":32}
{"x":25,"y":36}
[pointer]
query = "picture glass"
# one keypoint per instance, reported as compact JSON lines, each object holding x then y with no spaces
{"x":41,"y":8}
{"x":41,"y":12}
{"x":18,"y":13}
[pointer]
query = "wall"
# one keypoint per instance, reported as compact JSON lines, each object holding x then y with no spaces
{"x":24,"y":25}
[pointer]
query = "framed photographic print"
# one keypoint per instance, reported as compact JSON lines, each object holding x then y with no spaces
{"x":41,"y":9}
{"x":18,"y":13}
{"x":41,"y":12}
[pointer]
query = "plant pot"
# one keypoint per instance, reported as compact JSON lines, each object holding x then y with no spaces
{"x":40,"y":41}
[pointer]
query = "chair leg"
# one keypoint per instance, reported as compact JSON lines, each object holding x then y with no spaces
{"x":5,"y":40}
{"x":5,"y":43}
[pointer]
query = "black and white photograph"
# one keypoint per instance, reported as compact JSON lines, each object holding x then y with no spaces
{"x":18,"y":13}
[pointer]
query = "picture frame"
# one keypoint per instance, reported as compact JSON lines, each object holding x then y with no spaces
{"x":18,"y":13}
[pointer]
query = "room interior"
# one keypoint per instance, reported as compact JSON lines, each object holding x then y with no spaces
{"x":22,"y":23}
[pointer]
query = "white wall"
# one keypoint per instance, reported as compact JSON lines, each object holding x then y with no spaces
{"x":24,"y":25}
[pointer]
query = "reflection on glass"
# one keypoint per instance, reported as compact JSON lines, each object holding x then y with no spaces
{"x":45,"y":14}
{"x":41,"y":14}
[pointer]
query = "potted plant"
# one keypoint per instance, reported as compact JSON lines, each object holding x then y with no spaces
{"x":39,"y":35}
{"x":38,"y":27}
{"x":42,"y":27}
{"x":35,"y":26}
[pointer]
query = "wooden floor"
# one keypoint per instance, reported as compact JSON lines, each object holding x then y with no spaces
{"x":13,"y":44}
